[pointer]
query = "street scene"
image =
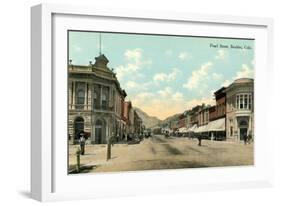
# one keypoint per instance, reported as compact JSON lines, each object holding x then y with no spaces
{"x":159,"y":152}
{"x":149,"y":102}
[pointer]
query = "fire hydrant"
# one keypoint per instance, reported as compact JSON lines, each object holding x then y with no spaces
{"x":78,"y":152}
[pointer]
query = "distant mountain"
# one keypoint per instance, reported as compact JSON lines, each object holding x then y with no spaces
{"x":170,"y":119}
{"x":148,"y":121}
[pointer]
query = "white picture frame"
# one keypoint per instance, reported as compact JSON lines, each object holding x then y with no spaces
{"x":49,"y":181}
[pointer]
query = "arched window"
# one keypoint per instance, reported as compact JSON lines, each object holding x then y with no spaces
{"x":99,"y":122}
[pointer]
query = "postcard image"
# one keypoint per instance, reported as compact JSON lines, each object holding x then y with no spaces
{"x":139,"y":102}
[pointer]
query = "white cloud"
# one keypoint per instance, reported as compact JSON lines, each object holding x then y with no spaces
{"x":184,"y":56}
{"x":166,"y":77}
{"x":167,"y":91}
{"x":177,"y":96}
{"x":135,"y":62}
{"x":169,"y":94}
{"x":245,"y":72}
{"x":134,"y":55}
{"x":212,"y":92}
{"x":226,"y":83}
{"x":217,"y":76}
{"x":132,"y":85}
{"x":198,"y":76}
{"x":221,"y":54}
{"x":142,"y":98}
{"x":194,"y":102}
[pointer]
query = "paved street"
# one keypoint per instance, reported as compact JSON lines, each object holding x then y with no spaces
{"x":159,"y":152}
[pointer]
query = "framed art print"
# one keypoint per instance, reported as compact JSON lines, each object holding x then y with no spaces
{"x":134,"y":102}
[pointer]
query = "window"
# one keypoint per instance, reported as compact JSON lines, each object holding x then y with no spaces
{"x":80,"y":99}
{"x":103,"y":101}
{"x":250,"y":101}
{"x":96,"y":96}
{"x":104,"y":98}
{"x":241,"y":101}
{"x":245,"y":101}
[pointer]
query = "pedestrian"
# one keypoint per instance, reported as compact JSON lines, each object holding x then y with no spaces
{"x":82,"y":142}
{"x":199,"y":140}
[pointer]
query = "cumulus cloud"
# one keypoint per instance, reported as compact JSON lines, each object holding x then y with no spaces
{"x":136,"y":86}
{"x":217,"y":76}
{"x":177,"y":96}
{"x":194,"y":102}
{"x":135,"y":62}
{"x":226,"y":83}
{"x":135,"y":55}
{"x":132,"y":85}
{"x":184,"y":56}
{"x":142,"y":98}
{"x":167,"y":91}
{"x":244,"y":72}
{"x":221,"y":54}
{"x":166,"y":77}
{"x":198,"y":76}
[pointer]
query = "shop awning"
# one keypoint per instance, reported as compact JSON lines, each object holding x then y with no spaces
{"x":182,"y":130}
{"x":203,"y":128}
{"x":192,"y":128}
{"x":217,"y":125}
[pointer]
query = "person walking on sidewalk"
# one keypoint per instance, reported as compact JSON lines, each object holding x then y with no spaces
{"x":82,"y":142}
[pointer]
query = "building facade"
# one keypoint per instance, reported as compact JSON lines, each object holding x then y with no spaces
{"x":203,"y":115}
{"x":217,"y":114}
{"x":240,"y":109}
{"x":95,"y":102}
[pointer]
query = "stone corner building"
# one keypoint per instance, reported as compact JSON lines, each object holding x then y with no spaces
{"x":95,"y":102}
{"x":240,"y":109}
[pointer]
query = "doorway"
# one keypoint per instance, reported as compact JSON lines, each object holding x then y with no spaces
{"x":243,"y":129}
{"x":78,"y":127}
{"x":99,"y":132}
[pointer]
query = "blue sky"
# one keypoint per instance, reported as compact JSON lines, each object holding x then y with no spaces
{"x":164,"y":75}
